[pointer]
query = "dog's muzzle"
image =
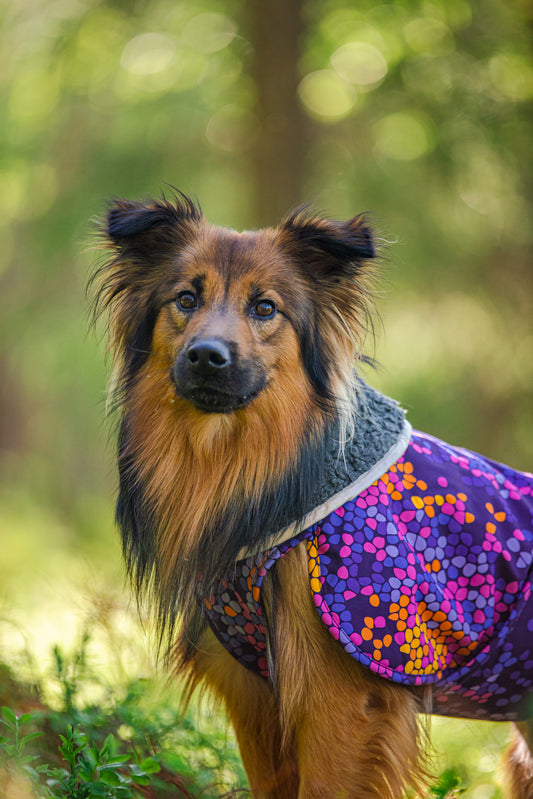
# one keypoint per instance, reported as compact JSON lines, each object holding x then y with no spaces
{"x":211,"y":375}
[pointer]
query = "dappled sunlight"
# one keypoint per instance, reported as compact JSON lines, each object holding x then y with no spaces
{"x":52,"y":590}
{"x":512,"y":75}
{"x":326,"y":95}
{"x":208,"y":32}
{"x":429,"y":36}
{"x":148,"y":53}
{"x":404,"y":136}
{"x":19,"y":199}
{"x":360,"y":63}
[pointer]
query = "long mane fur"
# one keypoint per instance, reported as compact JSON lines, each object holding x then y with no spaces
{"x":196,"y":489}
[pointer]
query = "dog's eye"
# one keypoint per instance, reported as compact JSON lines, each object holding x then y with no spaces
{"x":265,"y":309}
{"x":186,"y":300}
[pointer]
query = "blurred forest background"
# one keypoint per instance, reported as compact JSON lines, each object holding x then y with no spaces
{"x":416,"y":111}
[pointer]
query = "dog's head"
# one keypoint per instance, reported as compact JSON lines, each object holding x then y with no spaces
{"x":225,"y":319}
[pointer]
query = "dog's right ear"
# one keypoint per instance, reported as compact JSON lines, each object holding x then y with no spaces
{"x":141,"y":238}
{"x":126,"y":219}
{"x":129,"y":223}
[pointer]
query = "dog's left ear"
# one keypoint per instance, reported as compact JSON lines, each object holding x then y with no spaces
{"x":325,"y":247}
{"x":332,"y":257}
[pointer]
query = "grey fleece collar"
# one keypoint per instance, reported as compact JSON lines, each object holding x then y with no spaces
{"x":381,"y":435}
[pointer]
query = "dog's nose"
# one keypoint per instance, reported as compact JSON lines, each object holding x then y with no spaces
{"x":208,"y":357}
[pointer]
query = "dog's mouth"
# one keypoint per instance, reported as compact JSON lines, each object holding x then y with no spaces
{"x":213,"y":400}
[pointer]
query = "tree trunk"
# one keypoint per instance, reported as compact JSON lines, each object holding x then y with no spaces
{"x":278,"y":160}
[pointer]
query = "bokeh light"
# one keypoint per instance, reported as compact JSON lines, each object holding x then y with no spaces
{"x":326,"y":95}
{"x":148,"y":53}
{"x":404,"y":136}
{"x":208,"y":32}
{"x":360,"y":63}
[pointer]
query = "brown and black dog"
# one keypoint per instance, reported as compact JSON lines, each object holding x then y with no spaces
{"x":234,"y":355}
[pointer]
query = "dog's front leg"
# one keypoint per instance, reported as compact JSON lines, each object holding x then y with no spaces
{"x":356,"y":734}
{"x":269,"y":759}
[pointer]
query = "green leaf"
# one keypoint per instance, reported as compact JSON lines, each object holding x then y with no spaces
{"x":110,"y":777}
{"x":90,"y":756}
{"x":25,"y":718}
{"x":117,"y":761}
{"x":447,"y":782}
{"x":139,"y":779}
{"x":45,"y":769}
{"x":10,"y":717}
{"x":99,"y":789}
{"x":86,"y":772}
{"x":149,"y":765}
{"x":176,"y":763}
{"x":31,"y":772}
{"x":109,"y":745}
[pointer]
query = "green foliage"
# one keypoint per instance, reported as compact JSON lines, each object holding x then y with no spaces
{"x":97,"y":772}
{"x":13,"y":757}
{"x":91,"y":771}
{"x":119,"y":750}
{"x":449,"y":785}
{"x":70,"y":675}
{"x":189,"y":756}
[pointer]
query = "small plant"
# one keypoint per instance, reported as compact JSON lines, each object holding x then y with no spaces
{"x":92,"y":772}
{"x":70,"y":673}
{"x":13,"y":758}
{"x":448,"y":786}
{"x":96,"y":772}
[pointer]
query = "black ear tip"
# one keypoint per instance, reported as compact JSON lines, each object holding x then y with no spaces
{"x":124,"y":219}
{"x":114,"y":217}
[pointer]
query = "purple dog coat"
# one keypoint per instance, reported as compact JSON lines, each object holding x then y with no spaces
{"x":423,"y":576}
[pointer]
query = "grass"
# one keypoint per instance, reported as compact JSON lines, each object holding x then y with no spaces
{"x":132,"y":741}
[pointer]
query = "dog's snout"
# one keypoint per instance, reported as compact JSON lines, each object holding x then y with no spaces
{"x":208,"y":357}
{"x":214,"y":376}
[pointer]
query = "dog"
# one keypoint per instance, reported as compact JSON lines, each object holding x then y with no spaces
{"x":325,"y":571}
